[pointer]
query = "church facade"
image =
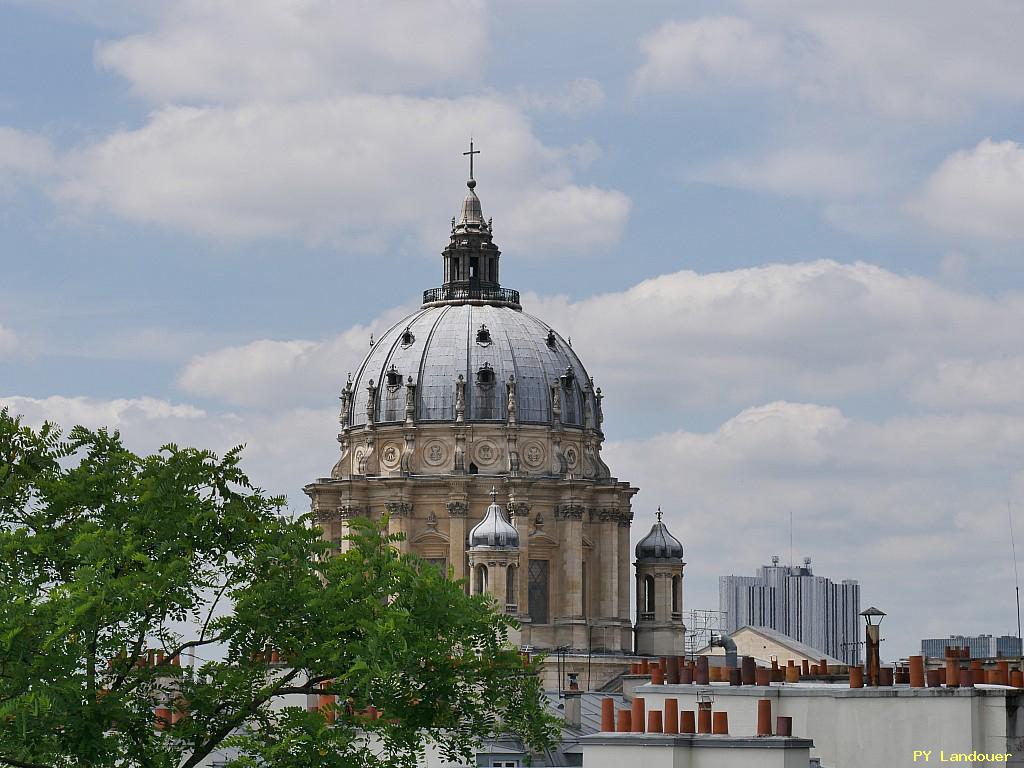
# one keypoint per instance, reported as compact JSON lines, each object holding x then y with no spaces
{"x":476,"y":429}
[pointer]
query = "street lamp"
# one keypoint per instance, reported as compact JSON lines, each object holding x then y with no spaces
{"x":872,"y":620}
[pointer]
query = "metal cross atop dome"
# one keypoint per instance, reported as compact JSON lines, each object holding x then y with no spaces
{"x":471,"y":153}
{"x":494,"y":495}
{"x":659,"y":513}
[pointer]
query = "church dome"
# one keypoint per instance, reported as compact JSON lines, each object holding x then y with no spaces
{"x":486,"y":345}
{"x":494,"y":530}
{"x":471,"y":328}
{"x":659,"y":544}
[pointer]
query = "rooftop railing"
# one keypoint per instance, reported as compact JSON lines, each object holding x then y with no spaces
{"x":469,"y":293}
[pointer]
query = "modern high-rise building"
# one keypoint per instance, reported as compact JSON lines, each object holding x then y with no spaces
{"x":978,"y":646}
{"x":812,"y":609}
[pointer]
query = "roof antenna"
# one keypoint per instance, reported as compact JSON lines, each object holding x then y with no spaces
{"x":1013,"y":549}
{"x":791,"y":539}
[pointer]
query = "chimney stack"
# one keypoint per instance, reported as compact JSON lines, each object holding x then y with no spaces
{"x":573,"y":704}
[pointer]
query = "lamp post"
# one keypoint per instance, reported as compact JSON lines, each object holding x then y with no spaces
{"x":872,"y":620}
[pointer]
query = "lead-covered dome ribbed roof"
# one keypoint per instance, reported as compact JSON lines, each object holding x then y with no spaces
{"x":659,"y":544}
{"x":494,"y":530}
{"x":434,"y":345}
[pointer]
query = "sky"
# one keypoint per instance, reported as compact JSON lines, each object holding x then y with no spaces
{"x":784,"y":237}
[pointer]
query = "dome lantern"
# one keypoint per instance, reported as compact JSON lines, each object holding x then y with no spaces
{"x":471,"y":259}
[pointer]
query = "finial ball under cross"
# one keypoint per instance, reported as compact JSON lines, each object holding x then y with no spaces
{"x":472,"y":182}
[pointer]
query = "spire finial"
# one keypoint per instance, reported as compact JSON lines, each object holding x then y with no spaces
{"x":472,"y":182}
{"x":494,"y":495}
{"x":659,"y":513}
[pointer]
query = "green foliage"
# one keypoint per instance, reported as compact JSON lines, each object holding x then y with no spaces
{"x":105,"y":554}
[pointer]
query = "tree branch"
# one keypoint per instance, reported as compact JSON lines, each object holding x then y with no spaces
{"x":4,"y":760}
{"x":209,"y":615}
{"x":132,"y":658}
{"x":236,"y":721}
{"x":307,"y":687}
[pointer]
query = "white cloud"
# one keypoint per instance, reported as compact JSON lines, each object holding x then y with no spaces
{"x":23,"y":156}
{"x":977,"y":191}
{"x":276,"y":373}
{"x":819,"y":330}
{"x":967,"y":382}
{"x":909,"y":501}
{"x":284,"y":449}
{"x":92,"y":412}
{"x":588,"y":217}
{"x":342,"y":170}
{"x":225,"y":51}
{"x":918,"y":58}
{"x":705,"y":53}
{"x":799,"y":171}
{"x":264,"y":370}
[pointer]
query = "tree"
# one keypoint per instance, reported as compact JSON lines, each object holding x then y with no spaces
{"x":156,"y":609}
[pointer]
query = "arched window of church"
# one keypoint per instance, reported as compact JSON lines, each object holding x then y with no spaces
{"x":550,"y":341}
{"x":483,"y":336}
{"x":677,"y":589}
{"x":407,"y":338}
{"x":481,"y":579}
{"x":510,"y":590}
{"x":648,"y":594}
